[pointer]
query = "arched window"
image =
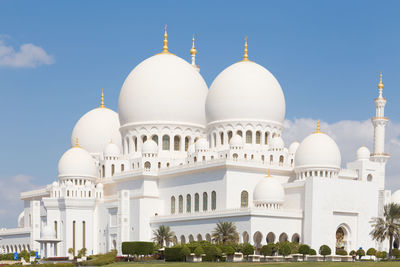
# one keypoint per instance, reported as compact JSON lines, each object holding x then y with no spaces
{"x":262,"y":158}
{"x":199,"y":237}
{"x":159,"y":165}
{"x":266,"y":138}
{"x":369,"y":177}
{"x":244,"y":199}
{"x":229,"y":136}
{"x":155,"y":138}
{"x":180,"y":203}
{"x":271,"y":159}
{"x":172,"y":205}
{"x":249,"y":137}
{"x":144,"y":139}
{"x":205,"y":201}
{"x":147,"y":165}
{"x":258,"y":137}
{"x":183,"y":239}
{"x":215,"y":139}
{"x":195,"y":159}
{"x":296,"y":238}
{"x":135,"y":141}
{"x":235,"y":156}
{"x":127,"y":148}
{"x":187,"y":140}
{"x":239,"y":133}
{"x":196,"y":202}
{"x":177,"y":142}
{"x":257,"y":238}
{"x":281,"y":159}
{"x":246,"y":237}
{"x":188,"y":203}
{"x":213,"y":200}
{"x":83,"y":234}
{"x":122,"y":167}
{"x":112,"y":169}
{"x":208,"y":237}
{"x":191,"y":238}
{"x":270,"y":237}
{"x":165,"y":142}
{"x":221,"y":136}
{"x":283,"y":237}
{"x":103,"y":171}
{"x":56,"y":228}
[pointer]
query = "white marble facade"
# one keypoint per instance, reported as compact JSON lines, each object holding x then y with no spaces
{"x":181,"y":154}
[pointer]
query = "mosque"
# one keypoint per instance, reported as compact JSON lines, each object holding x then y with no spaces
{"x":181,"y":154}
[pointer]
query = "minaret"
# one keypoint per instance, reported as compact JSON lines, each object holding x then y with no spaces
{"x":379,"y":122}
{"x":193,"y":53}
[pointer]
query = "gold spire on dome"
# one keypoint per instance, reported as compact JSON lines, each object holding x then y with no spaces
{"x":102,"y":99}
{"x":165,"y":47}
{"x":245,"y":56}
{"x":380,"y":85}
{"x":318,"y":128}
{"x":77,"y":142}
{"x":193,"y":51}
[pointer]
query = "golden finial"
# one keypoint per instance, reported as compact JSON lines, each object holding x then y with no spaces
{"x":245,"y":56}
{"x":269,"y":173}
{"x":318,"y":128}
{"x":380,"y":85}
{"x":102,"y":99}
{"x":165,"y":47}
{"x":77,"y":142}
{"x":193,"y":51}
{"x":111,"y":141}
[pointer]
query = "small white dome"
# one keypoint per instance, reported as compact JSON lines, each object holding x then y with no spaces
{"x":363,"y":153}
{"x":236,"y":141}
{"x":245,"y":91}
{"x":111,"y":150}
{"x":149,"y":147}
{"x":396,"y":197}
{"x":163,"y":88}
{"x":77,"y":162}
{"x":318,"y":150}
{"x":100,"y":186}
{"x":96,"y":128}
{"x":276,"y":143}
{"x":201,"y":144}
{"x":48,"y":232}
{"x":55,"y":184}
{"x":268,"y":191}
{"x":293,"y":147}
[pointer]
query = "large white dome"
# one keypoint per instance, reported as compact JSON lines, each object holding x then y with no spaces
{"x":163,"y":88}
{"x":245,"y":91}
{"x":76,"y":162}
{"x":318,"y":150}
{"x":96,"y":129}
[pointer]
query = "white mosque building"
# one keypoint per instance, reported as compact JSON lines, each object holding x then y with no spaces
{"x":181,"y":154}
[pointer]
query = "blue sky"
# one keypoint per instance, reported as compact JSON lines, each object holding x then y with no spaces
{"x":327,"y":55}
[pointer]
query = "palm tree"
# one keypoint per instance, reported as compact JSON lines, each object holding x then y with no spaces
{"x":163,"y":234}
{"x":225,"y":232}
{"x":387,"y":226}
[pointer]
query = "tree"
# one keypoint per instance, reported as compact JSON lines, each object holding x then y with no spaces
{"x":396,"y":252}
{"x":388,"y":226}
{"x":198,"y":251}
{"x":163,"y":234}
{"x":229,"y":250}
{"x":371,"y":252}
{"x":269,"y":249}
{"x":312,"y":252}
{"x":82,"y":253}
{"x":304,"y":249}
{"x":24,"y":254}
{"x":247,"y":250}
{"x":360,"y":253}
{"x":381,"y":254}
{"x":185,"y":251}
{"x":284,"y":249}
{"x":71,"y":251}
{"x":225,"y":232}
{"x":324,"y":250}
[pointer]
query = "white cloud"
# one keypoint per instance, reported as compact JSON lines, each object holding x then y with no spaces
{"x":11,"y":205}
{"x":350,"y":135}
{"x":28,"y":56}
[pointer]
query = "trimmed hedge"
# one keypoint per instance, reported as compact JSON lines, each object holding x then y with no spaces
{"x":102,"y":259}
{"x":173,"y":254}
{"x":137,"y":248}
{"x":7,"y":257}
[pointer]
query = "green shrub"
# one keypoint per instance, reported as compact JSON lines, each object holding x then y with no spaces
{"x":304,"y":249}
{"x":185,"y":251}
{"x":324,"y":250}
{"x":173,"y":254}
{"x":360,"y":253}
{"x":32,"y":253}
{"x":352,"y":253}
{"x":381,"y":254}
{"x":284,"y":249}
{"x":247,"y":249}
{"x":228,"y":250}
{"x":82,"y":253}
{"x":24,"y":254}
{"x":198,"y":251}
{"x":341,"y":251}
{"x":371,"y":252}
{"x":137,"y":248}
{"x":396,"y":253}
{"x":312,"y":252}
{"x":211,"y":252}
{"x":101,"y":259}
{"x":268,"y":250}
{"x":7,"y":257}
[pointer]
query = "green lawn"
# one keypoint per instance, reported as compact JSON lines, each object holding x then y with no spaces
{"x":249,"y":264}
